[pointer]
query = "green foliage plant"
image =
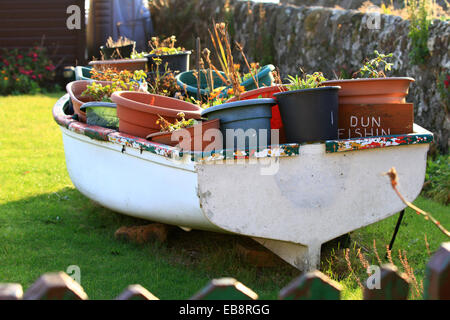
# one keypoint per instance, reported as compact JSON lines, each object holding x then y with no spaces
{"x":419,"y":23}
{"x":371,"y":68}
{"x":308,"y":81}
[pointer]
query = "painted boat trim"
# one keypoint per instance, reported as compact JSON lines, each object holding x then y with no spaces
{"x":420,"y":136}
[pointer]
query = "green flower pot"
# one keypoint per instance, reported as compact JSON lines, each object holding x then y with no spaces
{"x":103,"y":114}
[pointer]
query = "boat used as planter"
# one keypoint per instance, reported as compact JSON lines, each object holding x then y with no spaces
{"x":139,"y":111}
{"x":119,"y":64}
{"x":372,"y":90}
{"x":291,"y":198}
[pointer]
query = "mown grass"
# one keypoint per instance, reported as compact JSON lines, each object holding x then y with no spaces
{"x":47,"y":225}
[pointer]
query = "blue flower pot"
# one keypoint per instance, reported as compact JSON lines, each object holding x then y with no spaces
{"x":250,"y":115}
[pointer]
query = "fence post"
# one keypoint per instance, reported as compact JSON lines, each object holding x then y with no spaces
{"x":136,"y":292}
{"x":393,"y":285}
{"x":311,"y":286}
{"x":55,"y":286}
{"x":11,"y":291}
{"x":437,"y":275}
{"x":225,"y":289}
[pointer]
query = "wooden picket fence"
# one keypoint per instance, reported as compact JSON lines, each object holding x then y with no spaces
{"x":309,"y":286}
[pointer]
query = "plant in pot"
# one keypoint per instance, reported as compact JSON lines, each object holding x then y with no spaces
{"x":174,"y":58}
{"x":120,"y":49}
{"x":245,"y":124}
{"x":99,"y":90}
{"x":119,"y":54}
{"x":308,"y":110}
{"x":373,"y":104}
{"x":189,"y":135}
{"x":163,"y":83}
{"x":370,"y":84}
{"x":200,"y":83}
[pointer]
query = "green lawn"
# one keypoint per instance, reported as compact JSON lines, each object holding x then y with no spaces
{"x":47,"y":225}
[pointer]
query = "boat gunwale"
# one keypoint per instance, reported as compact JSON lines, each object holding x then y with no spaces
{"x":419,"y":136}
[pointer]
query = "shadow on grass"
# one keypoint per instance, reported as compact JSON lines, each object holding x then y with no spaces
{"x":51,"y":231}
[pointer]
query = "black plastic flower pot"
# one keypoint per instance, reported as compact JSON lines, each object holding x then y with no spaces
{"x":111,"y":53}
{"x":309,"y":115}
{"x":175,"y":62}
{"x":252,"y":116}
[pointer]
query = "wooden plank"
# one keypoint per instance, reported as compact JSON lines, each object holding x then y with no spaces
{"x":143,"y":234}
{"x":55,"y":286}
{"x":437,"y":275}
{"x":136,"y":292}
{"x":311,"y":286}
{"x":29,"y":5}
{"x":15,"y":23}
{"x":360,"y":121}
{"x":38,"y":32}
{"x":225,"y":289}
{"x":32,"y":19}
{"x":10,"y":291}
{"x":393,"y":285}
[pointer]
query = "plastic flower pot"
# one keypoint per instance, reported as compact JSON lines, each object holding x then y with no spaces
{"x":121,"y":64}
{"x":138,"y":111}
{"x":187,"y":80}
{"x":75,"y":89}
{"x":175,"y":62}
{"x":264,"y":78}
{"x":309,"y":115}
{"x":103,"y":114}
{"x":250,"y":116}
{"x":123,"y":51}
{"x":83,"y":73}
{"x":197,"y":140}
{"x":372,"y":90}
{"x":267,"y":92}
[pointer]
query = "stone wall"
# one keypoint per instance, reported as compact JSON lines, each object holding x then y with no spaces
{"x":356,"y":4}
{"x":318,"y":39}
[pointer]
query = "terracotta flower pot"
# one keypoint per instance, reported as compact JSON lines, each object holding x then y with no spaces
{"x":120,"y":64}
{"x":372,"y":91}
{"x":75,"y":89}
{"x":267,"y":92}
{"x":198,"y":141}
{"x":138,"y":111}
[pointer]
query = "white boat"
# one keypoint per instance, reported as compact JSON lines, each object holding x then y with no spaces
{"x":290,"y":198}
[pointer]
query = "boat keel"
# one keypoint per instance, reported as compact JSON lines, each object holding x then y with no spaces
{"x":305,"y":258}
